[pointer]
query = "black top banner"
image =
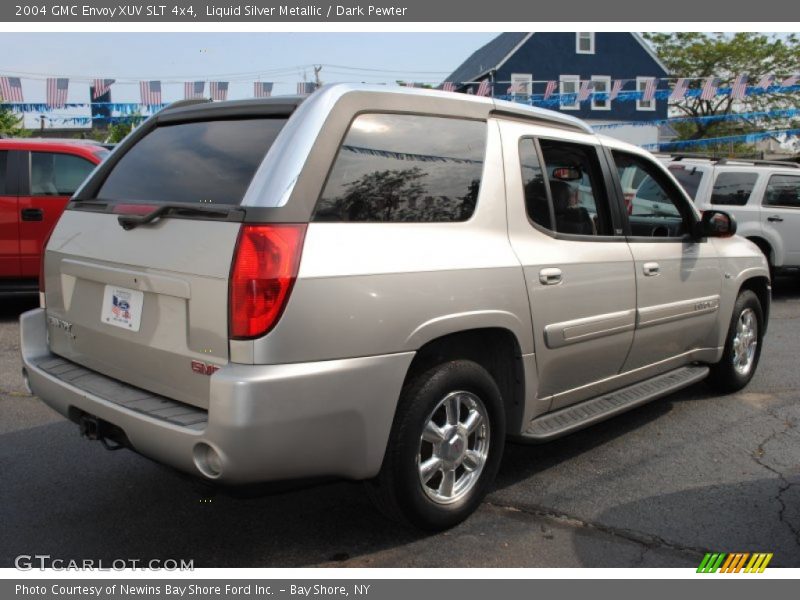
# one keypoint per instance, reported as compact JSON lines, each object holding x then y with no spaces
{"x":107,"y":11}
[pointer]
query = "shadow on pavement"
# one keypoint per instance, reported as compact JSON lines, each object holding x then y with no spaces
{"x":13,"y":305}
{"x":725,"y":518}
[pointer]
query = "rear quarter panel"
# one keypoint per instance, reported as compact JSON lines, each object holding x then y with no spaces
{"x":366,"y":289}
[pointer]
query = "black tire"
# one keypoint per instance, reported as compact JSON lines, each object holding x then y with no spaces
{"x":724,"y":376}
{"x":398,"y":490}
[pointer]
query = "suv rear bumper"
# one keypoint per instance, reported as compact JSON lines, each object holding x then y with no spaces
{"x":264,"y":423}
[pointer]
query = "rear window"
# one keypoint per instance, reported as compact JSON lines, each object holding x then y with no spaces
{"x":201,"y":161}
{"x":688,"y":177}
{"x":405,"y":168}
{"x":733,"y":189}
{"x":783,"y":190}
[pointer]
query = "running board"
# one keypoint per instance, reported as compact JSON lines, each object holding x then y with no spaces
{"x":594,"y":410}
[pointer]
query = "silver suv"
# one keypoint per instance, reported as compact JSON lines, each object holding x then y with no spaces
{"x":763,"y":197}
{"x":380,"y":284}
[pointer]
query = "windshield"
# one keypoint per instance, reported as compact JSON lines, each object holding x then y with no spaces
{"x":208,"y":162}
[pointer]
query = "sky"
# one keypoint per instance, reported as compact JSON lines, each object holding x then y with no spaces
{"x":236,"y":57}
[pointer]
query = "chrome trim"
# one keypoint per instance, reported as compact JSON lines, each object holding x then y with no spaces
{"x":674,"y":311}
{"x":557,"y":335}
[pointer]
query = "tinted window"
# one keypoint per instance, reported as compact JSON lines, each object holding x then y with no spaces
{"x":57,"y":174}
{"x":733,"y":188}
{"x":205,"y":161}
{"x":783,"y":190}
{"x":3,"y":168}
{"x":688,"y":177}
{"x":536,"y":203}
{"x":405,"y":168}
{"x":654,"y":203}
{"x":577,"y":190}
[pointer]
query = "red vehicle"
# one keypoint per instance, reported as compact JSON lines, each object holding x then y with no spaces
{"x":37,"y":178}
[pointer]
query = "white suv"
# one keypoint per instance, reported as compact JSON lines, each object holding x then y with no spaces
{"x":763,"y":196}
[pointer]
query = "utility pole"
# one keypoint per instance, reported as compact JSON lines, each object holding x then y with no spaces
{"x":317,"y":81}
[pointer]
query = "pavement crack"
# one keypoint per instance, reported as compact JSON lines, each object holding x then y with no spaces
{"x":785,"y":484}
{"x":648,"y":541}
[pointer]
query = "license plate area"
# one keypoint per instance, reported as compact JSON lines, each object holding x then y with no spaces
{"x":122,"y":307}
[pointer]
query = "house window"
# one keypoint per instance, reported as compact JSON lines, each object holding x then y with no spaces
{"x":584,"y":43}
{"x":521,"y":84}
{"x":641,"y":85}
{"x":601,"y":85}
{"x":568,"y":86}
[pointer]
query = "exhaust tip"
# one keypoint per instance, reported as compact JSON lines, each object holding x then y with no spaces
{"x":207,"y":460}
{"x":26,"y":380}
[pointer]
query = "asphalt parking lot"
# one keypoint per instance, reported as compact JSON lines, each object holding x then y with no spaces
{"x":656,"y":487}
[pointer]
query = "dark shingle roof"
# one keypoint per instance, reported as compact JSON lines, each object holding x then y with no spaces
{"x":487,"y":57}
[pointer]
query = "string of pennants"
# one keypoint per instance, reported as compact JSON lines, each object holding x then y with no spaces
{"x":130,"y":113}
{"x":747,"y":138}
{"x":11,"y":91}
{"x":784,"y":113}
{"x":707,"y":88}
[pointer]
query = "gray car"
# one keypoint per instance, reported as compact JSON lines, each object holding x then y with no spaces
{"x":380,"y":284}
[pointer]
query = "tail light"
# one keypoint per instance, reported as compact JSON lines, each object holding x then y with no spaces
{"x":264,"y":269}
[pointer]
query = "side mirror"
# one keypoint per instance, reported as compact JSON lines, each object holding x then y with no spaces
{"x":716,"y":223}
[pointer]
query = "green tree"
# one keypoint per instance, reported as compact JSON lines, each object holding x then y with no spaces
{"x":118,"y":131}
{"x":10,"y":123}
{"x":723,"y":55}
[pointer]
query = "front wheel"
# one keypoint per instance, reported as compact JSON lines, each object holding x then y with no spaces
{"x":445,"y":447}
{"x":742,"y":346}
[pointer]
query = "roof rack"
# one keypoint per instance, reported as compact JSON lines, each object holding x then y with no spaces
{"x":721,"y":160}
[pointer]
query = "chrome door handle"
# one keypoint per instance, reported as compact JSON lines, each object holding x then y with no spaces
{"x":550,"y":276}
{"x":775,"y":219}
{"x":650,"y":269}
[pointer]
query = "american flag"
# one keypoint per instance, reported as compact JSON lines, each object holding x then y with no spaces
{"x":709,"y":88}
{"x":550,"y":89}
{"x":616,"y":88}
{"x":790,"y":81}
{"x":739,"y":86}
{"x":650,"y":89}
{"x":194,"y":89}
{"x":680,"y":89}
{"x":57,"y":88}
{"x":150,"y":92}
{"x":517,"y":88}
{"x":584,"y":91}
{"x":101,"y":86}
{"x":262,"y":89}
{"x":448,"y":86}
{"x":304,"y":88}
{"x":765,"y":81}
{"x":219,"y":90}
{"x":11,"y":89}
{"x":483,"y":88}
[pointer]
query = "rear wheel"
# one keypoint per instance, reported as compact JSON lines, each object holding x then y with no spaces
{"x":742,"y":346}
{"x":445,"y":447}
